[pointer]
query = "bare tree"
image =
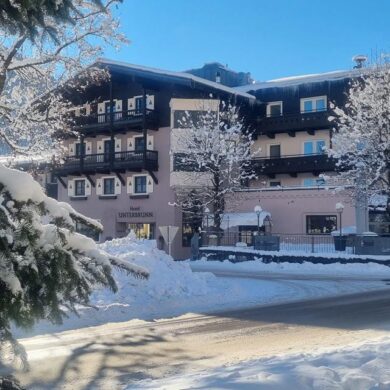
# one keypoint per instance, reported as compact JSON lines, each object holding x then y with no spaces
{"x":213,"y":151}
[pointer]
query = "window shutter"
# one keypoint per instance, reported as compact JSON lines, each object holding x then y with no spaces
{"x":130,"y":185}
{"x":118,"y":186}
{"x":70,"y":187}
{"x":118,"y":145}
{"x":88,"y":147}
{"x":87,"y":188}
{"x":130,"y":144}
{"x":72,"y":149}
{"x":118,"y":105}
{"x":87,"y":109}
{"x":150,"y":142}
{"x":150,"y":102}
{"x":131,"y":104}
{"x":99,"y":146}
{"x":99,"y":186}
{"x":149,"y":184}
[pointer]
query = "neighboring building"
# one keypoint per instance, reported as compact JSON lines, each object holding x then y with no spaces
{"x":214,"y":71}
{"x":120,"y":171}
{"x":292,"y":130}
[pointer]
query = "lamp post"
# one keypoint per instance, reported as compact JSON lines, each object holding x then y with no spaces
{"x":340,"y":209}
{"x":258,"y":211}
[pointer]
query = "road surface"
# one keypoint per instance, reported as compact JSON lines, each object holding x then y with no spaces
{"x":112,"y":355}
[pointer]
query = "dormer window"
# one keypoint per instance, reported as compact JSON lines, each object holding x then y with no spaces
{"x":314,"y":104}
{"x":274,"y":109}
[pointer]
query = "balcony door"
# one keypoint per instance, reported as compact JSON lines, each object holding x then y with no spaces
{"x":107,"y":149}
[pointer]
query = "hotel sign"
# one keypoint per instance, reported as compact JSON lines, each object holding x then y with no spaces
{"x":135,"y":212}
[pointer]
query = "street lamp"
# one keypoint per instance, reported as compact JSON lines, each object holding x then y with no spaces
{"x":207,"y":211}
{"x":340,"y":209}
{"x":258,"y":211}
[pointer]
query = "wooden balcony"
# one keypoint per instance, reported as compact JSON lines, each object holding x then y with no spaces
{"x":105,"y":163}
{"x":290,"y":123}
{"x":294,"y":164}
{"x":121,"y":120}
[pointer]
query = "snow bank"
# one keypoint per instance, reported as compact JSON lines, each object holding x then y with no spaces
{"x":365,"y":367}
{"x":174,"y":289}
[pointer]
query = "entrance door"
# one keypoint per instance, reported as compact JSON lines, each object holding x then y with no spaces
{"x":143,"y":230}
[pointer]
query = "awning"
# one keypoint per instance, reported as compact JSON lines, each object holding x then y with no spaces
{"x":244,"y":219}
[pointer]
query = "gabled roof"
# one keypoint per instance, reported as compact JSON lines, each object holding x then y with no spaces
{"x":170,"y":76}
{"x":308,"y":78}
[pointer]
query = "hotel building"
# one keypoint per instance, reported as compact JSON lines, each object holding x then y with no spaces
{"x":121,"y":171}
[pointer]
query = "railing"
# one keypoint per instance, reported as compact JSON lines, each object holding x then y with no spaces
{"x":117,"y":117}
{"x":294,"y":163}
{"x":129,"y":159}
{"x":288,"y":242}
{"x":293,"y":121}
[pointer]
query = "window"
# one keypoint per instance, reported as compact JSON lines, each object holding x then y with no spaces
{"x":275,"y":184}
{"x":321,"y":224}
{"x":80,"y":149}
{"x":274,"y":109}
{"x":310,"y":182}
{"x":314,"y":147}
{"x":87,"y":231}
{"x":139,"y":104}
{"x":274,"y":151}
{"x":139,"y":144}
{"x":314,"y":104}
{"x":79,"y":187}
{"x":140,"y":184}
{"x":109,"y":186}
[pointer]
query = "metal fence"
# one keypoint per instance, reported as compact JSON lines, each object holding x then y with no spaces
{"x":288,"y":242}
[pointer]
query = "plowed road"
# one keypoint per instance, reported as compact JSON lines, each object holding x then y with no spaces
{"x":112,"y":355}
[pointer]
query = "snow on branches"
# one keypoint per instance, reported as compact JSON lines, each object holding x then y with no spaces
{"x":32,"y":71}
{"x":213,"y":150}
{"x":361,"y":139}
{"x":45,"y":266}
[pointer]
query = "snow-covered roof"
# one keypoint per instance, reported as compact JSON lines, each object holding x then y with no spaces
{"x":145,"y":71}
{"x":308,"y":78}
{"x":243,"y":219}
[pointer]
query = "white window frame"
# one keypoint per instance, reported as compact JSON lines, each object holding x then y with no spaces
{"x":146,"y":185}
{"x":314,"y":144}
{"x":107,"y":177}
{"x":313,"y":99}
{"x":74,"y":189}
{"x":277,"y":103}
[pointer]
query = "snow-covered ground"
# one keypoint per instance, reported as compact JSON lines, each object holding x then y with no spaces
{"x":174,"y":289}
{"x":363,"y":367}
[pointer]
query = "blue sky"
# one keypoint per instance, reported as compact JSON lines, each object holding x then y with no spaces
{"x":270,"y":39}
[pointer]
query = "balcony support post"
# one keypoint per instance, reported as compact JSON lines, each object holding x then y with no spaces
{"x":89,"y":178}
{"x":112,"y":138}
{"x":151,"y":173}
{"x":120,"y":177}
{"x":60,"y":179}
{"x":144,"y":129}
{"x":82,"y":151}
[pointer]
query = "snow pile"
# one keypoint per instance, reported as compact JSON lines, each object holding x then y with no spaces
{"x":174,"y":289}
{"x":365,"y":367}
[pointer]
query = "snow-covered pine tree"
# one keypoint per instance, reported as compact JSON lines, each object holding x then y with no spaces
{"x":213,"y":151}
{"x":27,"y":15}
{"x":361,"y":138}
{"x":45,"y":266}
